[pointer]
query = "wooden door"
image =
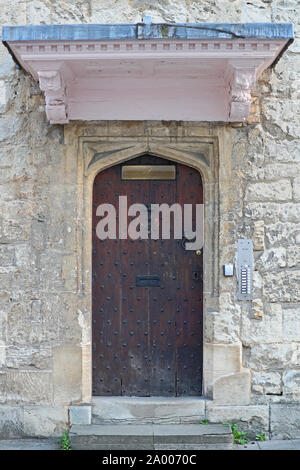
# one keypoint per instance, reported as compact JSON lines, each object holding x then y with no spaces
{"x":147,"y":295}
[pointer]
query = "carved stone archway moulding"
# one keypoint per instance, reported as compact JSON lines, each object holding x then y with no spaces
{"x":96,"y":154}
{"x":145,"y":71}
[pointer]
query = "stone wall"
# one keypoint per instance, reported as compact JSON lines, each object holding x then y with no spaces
{"x":42,"y":322}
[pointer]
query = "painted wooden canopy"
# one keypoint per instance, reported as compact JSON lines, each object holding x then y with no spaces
{"x":146,"y":71}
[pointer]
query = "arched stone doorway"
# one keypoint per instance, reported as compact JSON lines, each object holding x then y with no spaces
{"x":147,"y":295}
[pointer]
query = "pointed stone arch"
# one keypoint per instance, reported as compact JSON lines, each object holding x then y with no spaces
{"x":97,"y":154}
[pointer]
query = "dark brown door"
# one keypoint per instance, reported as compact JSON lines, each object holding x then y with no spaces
{"x":147,"y":339}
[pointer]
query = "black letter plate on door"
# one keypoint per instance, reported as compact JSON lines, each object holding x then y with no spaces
{"x":152,"y":280}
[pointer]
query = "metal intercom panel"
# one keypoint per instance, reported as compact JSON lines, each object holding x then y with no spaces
{"x":245,"y":269}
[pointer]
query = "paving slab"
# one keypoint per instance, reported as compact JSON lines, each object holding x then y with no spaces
{"x":249,"y":446}
{"x":191,"y":434}
{"x":276,"y":445}
{"x":29,"y":444}
{"x":296,"y":443}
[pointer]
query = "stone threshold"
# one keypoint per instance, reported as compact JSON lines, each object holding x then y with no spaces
{"x":151,"y":436}
{"x":144,"y":410}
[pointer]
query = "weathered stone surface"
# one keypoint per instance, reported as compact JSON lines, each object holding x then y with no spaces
{"x":271,"y":259}
{"x":220,"y":360}
{"x":269,"y":211}
{"x":296,"y":188}
{"x":285,"y":421}
{"x":280,"y":287}
{"x":232,"y":389}
{"x":223,"y":326}
{"x":67,"y":374}
{"x":80,"y":414}
{"x":279,"y":233}
{"x":45,"y":421}
{"x":253,"y":419}
{"x":291,"y":324}
{"x":258,"y":235}
{"x":26,"y":387}
{"x":11,"y":421}
{"x":257,"y":309}
{"x":291,"y":382}
{"x":266,"y":383}
{"x":293,"y":256}
{"x":274,"y":356}
{"x":118,"y":11}
{"x":10,"y":15}
{"x":38,"y":12}
{"x":279,"y":191}
{"x":3,"y":97}
{"x":255,"y":11}
{"x":262,"y":327}
{"x":157,"y":410}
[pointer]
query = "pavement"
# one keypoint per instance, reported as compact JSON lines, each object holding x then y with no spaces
{"x":274,"y":444}
{"x":51,"y":444}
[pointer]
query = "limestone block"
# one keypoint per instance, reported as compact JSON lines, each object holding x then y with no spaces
{"x":291,"y":324}
{"x":26,"y":387}
{"x":11,"y":421}
{"x":290,"y":212}
{"x":257,"y":308}
{"x":293,"y":256}
{"x":2,"y":353}
{"x":271,"y":259}
{"x":291,"y":382}
{"x":219,"y":360}
{"x":279,"y":233}
{"x":69,"y":272}
{"x":33,"y":355}
{"x":3,"y":96}
{"x":253,"y":419}
{"x":115,"y":11}
{"x":232,"y":389}
{"x":38,"y":235}
{"x":7,"y":65}
{"x":44,"y":421}
{"x":67,"y":367}
{"x":269,"y":327}
{"x":257,"y":282}
{"x":258,"y":235}
{"x":139,"y":410}
{"x":283,"y":113}
{"x":281,"y":170}
{"x":255,"y":12}
{"x":206,"y":11}
{"x":282,"y":286}
{"x":7,"y":255}
{"x":273,"y":191}
{"x":21,"y":328}
{"x":296,"y":188}
{"x":12,"y":15}
{"x":268,"y":211}
{"x":285,"y":421}
{"x":266,"y":382}
{"x":268,"y":356}
{"x":222,"y":327}
{"x":64,"y":12}
{"x":38,"y":13}
{"x":9,"y":128}
{"x":80,"y":414}
{"x":50,"y":270}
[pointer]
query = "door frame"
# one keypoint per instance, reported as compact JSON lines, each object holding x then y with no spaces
{"x":96,"y":154}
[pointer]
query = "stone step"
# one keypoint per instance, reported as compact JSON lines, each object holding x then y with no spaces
{"x":151,"y":437}
{"x":147,"y":410}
